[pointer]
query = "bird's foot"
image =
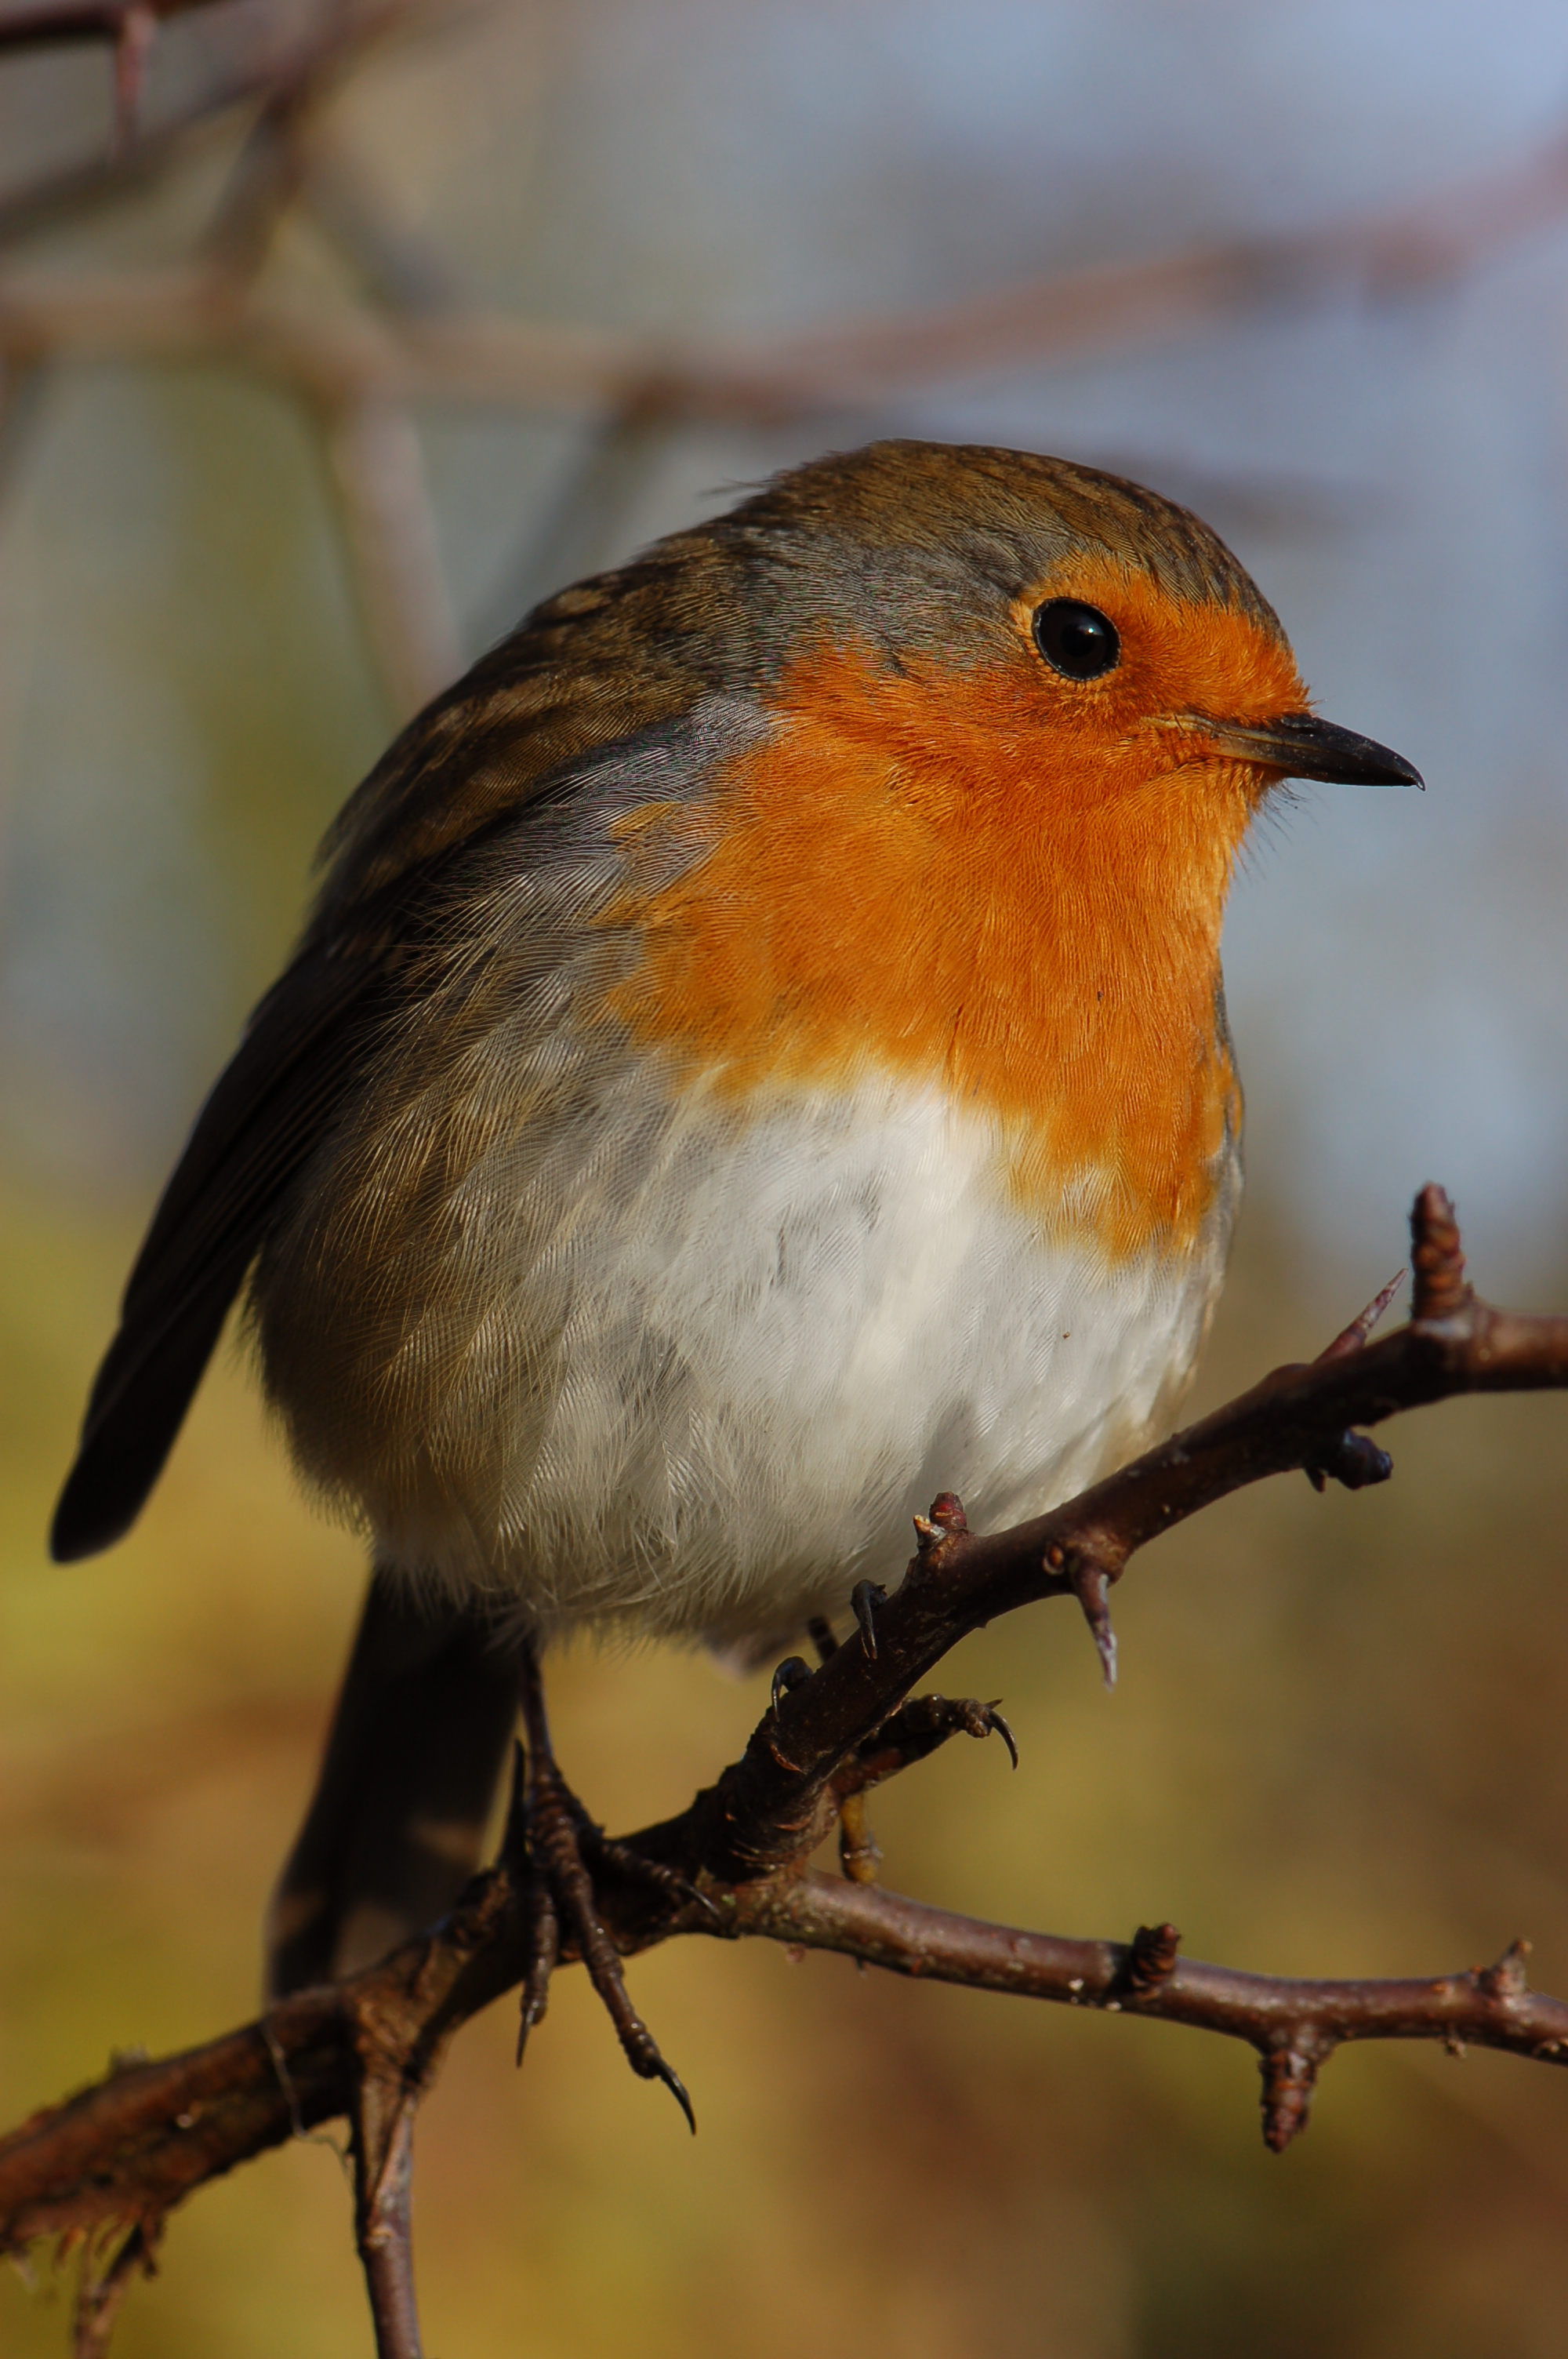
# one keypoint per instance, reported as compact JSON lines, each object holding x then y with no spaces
{"x":919,"y":1727}
{"x":567,"y":1856}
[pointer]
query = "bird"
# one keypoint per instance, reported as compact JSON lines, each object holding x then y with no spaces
{"x":758,"y":1054}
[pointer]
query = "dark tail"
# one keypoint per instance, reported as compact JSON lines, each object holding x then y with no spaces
{"x":396,"y":1826}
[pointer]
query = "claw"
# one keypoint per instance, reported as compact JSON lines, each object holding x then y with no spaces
{"x":559,"y":1841}
{"x":995,"y":1722}
{"x":864,"y":1599}
{"x":676,"y":2087}
{"x":638,"y":1868}
{"x":544,"y":1945}
{"x":700,"y":1900}
{"x":792,"y":1672}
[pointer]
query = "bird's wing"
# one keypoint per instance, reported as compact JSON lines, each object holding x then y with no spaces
{"x":260,"y":1124}
{"x":525,"y":725}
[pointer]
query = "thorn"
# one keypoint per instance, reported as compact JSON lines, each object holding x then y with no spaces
{"x":792,"y":1672}
{"x":1436,"y":1256}
{"x":1090,"y":1585}
{"x":1352,"y":1338}
{"x":1290,"y":2076}
{"x":996,"y":1724}
{"x":864,"y":1599}
{"x":1153,"y":1960}
{"x":1505,"y":1978}
{"x":676,"y":2087}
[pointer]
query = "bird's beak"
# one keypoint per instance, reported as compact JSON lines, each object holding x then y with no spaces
{"x":1300,"y":746}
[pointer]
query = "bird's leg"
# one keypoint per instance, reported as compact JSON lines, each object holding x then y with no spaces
{"x":860,"y":1854}
{"x":564,"y":1850}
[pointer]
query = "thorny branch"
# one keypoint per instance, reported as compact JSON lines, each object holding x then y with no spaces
{"x":120,"y":2156}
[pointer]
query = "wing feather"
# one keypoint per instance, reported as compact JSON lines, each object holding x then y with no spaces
{"x":259,"y":1125}
{"x":523,"y":727}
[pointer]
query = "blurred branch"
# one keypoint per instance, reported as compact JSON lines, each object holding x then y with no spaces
{"x":366,"y":368}
{"x":62,"y":24}
{"x":471,"y":355}
{"x":125,"y":2152}
{"x":389,"y":524}
{"x":274,"y":75}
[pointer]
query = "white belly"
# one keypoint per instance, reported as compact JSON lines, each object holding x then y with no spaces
{"x":700,"y":1383}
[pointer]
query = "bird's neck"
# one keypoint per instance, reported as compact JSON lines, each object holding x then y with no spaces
{"x":1040,"y":952}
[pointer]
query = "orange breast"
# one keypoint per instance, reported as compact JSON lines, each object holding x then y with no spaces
{"x":1011,"y":897}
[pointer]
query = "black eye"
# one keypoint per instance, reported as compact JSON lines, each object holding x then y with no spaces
{"x":1074,"y":639}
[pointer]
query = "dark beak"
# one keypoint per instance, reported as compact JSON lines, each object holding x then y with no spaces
{"x":1302,"y":746}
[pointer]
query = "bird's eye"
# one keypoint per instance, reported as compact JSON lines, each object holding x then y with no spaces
{"x":1076,"y":640}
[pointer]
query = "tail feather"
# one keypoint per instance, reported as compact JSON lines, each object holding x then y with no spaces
{"x":395,"y":1829}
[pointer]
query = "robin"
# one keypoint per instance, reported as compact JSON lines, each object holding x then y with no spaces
{"x":758,"y":1056}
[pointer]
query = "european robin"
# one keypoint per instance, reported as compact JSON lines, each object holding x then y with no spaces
{"x":758,"y":1056}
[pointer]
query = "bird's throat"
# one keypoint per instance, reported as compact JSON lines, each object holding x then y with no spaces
{"x":880,"y":890}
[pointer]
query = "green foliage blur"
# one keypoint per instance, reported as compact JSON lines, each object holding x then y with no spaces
{"x":1337,"y":1746}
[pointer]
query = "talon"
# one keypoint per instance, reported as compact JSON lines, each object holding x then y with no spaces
{"x":792,"y":1672}
{"x":864,"y":1599}
{"x":997,"y":1725}
{"x":544,"y":1948}
{"x":676,"y":2087}
{"x":559,"y":1841}
{"x":639,"y":1869}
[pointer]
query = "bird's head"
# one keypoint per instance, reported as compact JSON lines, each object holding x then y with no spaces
{"x":1069,"y":636}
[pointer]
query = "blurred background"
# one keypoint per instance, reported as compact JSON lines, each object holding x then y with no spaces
{"x":362,"y":346}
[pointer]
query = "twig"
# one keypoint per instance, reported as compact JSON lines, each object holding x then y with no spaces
{"x":473,"y":356}
{"x":312,"y":62}
{"x":378,"y":469}
{"x":382,"y":2119}
{"x":63,"y":24}
{"x":104,"y":2283}
{"x":1292,"y":2024}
